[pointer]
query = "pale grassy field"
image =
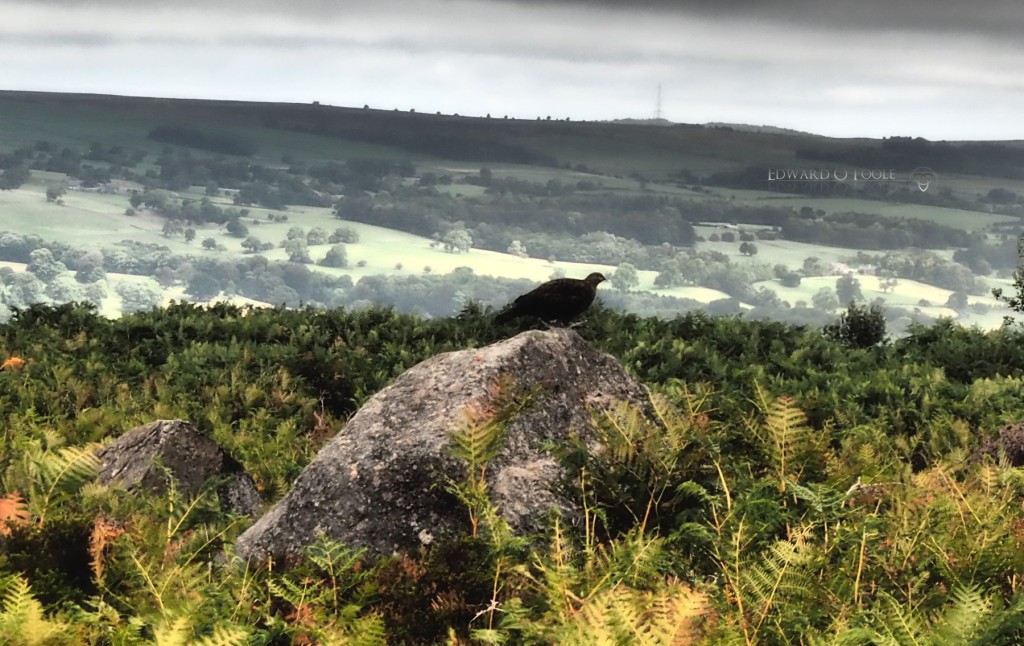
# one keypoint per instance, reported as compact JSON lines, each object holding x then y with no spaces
{"x":700,"y":294}
{"x":786,"y":252}
{"x":908,"y":294}
{"x":93,"y":220}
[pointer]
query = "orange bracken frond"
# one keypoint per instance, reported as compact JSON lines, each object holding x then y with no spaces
{"x":13,"y":511}
{"x":103,"y":531}
{"x":12,"y":363}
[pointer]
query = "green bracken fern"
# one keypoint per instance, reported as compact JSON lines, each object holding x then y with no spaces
{"x":22,"y":620}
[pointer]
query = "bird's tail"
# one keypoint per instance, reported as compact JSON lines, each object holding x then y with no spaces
{"x":506,"y":316}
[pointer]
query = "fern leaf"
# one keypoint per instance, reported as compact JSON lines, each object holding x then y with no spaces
{"x":70,"y":467}
{"x":17,"y":600}
{"x":635,"y":559}
{"x":368,"y":630}
{"x":785,"y":437}
{"x":287,"y":590}
{"x":964,"y":619}
{"x":598,"y":622}
{"x":172,"y":632}
{"x":674,"y":614}
{"x":22,"y":618}
{"x":823,"y":499}
{"x":224,"y":636}
{"x":477,"y":442}
{"x":620,"y":615}
{"x":485,"y":636}
{"x":332,"y":556}
{"x":557,"y":571}
{"x":900,"y":625}
{"x":63,"y":471}
{"x":783,"y":573}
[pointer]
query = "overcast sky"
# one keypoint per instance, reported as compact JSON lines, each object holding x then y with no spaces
{"x":941,"y":69}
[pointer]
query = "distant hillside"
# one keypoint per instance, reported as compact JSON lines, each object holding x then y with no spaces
{"x":644,"y":122}
{"x":615,"y":148}
{"x":746,"y":127}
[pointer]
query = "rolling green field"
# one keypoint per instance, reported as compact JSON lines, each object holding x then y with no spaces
{"x":92,"y":219}
{"x":89,"y":219}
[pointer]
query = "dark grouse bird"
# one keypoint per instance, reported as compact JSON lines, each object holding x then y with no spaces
{"x":557,"y":301}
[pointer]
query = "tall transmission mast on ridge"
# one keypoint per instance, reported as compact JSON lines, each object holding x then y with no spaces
{"x":657,"y":107}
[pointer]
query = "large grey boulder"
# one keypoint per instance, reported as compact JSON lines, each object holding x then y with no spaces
{"x":381,"y":482}
{"x":143,"y":458}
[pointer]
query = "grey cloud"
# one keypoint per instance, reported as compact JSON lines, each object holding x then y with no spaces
{"x":845,"y":68}
{"x":987,"y":16}
{"x":59,"y":39}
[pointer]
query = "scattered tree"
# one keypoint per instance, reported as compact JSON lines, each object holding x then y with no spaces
{"x":316,"y":235}
{"x":56,"y":193}
{"x":173,"y":228}
{"x":14,"y":177}
{"x":64,"y":289}
{"x":625,"y":277}
{"x":252,"y":244}
{"x":888,"y":283}
{"x":297,"y":250}
{"x":157,"y":199}
{"x":848,"y":289}
{"x":90,"y":267}
{"x":204,"y":286}
{"x":813,"y":267}
{"x":336,"y":257}
{"x":457,"y":241}
{"x":825,"y":299}
{"x":348,"y":235}
{"x":26,"y":289}
{"x":1016,"y":301}
{"x":858,"y":327}
{"x":43,"y":265}
{"x":790,"y":279}
{"x":139,"y":295}
{"x":236,"y":228}
{"x":518,"y":249}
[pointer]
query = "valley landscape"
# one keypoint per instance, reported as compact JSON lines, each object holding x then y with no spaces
{"x":686,"y":212}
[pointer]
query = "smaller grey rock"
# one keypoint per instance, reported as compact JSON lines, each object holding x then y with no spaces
{"x":134,"y":461}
